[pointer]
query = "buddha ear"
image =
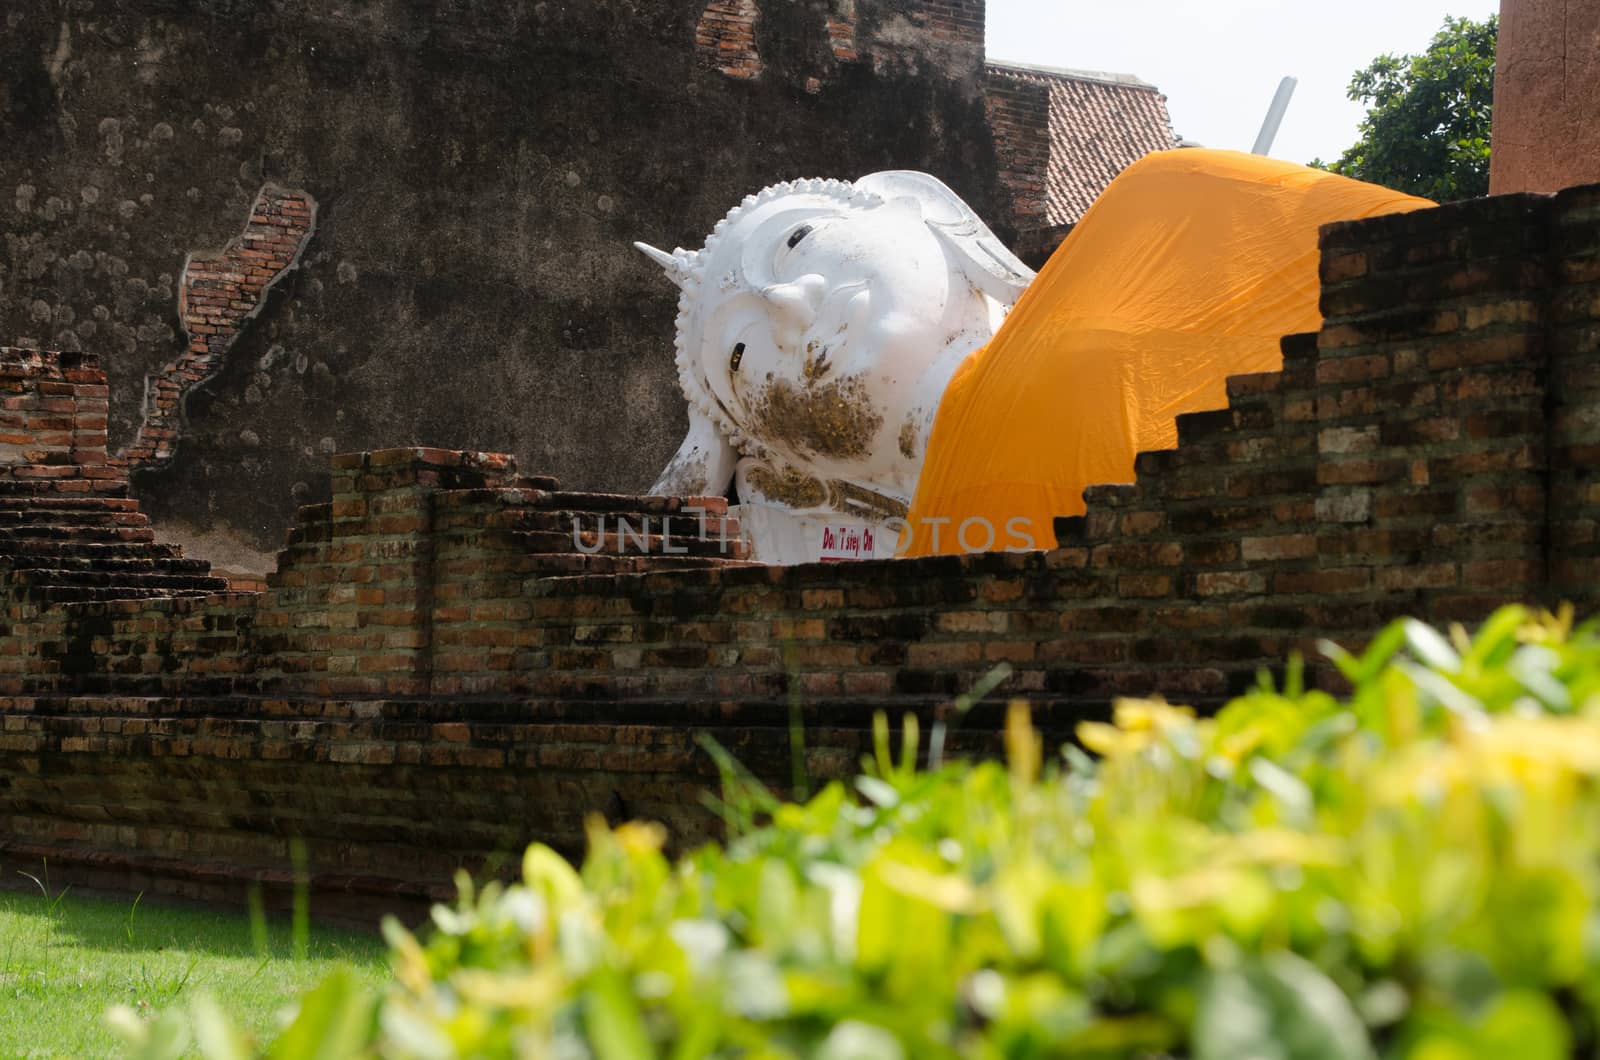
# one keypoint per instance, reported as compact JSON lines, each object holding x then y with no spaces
{"x":984,"y":260}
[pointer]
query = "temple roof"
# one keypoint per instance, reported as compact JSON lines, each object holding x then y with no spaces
{"x":1099,"y":123}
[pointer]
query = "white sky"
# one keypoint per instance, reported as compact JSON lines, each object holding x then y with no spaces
{"x":1219,"y":61}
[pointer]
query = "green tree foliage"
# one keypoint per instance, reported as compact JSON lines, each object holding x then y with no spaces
{"x":1427,"y":126}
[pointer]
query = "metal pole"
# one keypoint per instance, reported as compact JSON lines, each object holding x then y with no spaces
{"x":1269,"y":128}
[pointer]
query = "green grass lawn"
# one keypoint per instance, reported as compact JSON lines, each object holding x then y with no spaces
{"x":63,"y":964}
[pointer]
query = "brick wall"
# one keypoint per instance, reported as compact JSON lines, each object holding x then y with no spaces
{"x":1019,"y":114}
{"x":440,"y":671}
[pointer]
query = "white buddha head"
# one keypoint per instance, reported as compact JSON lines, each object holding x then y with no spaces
{"x":820,"y":323}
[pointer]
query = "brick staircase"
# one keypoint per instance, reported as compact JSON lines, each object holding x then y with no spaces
{"x":65,"y":550}
{"x":69,"y":532}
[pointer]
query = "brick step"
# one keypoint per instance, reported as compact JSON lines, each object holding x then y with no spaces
{"x":713,"y":527}
{"x":75,"y":594}
{"x":91,"y":550}
{"x":30,"y":561}
{"x":104,"y":535}
{"x":483,"y":509}
{"x":468,"y":507}
{"x":34,"y":487}
{"x":1299,"y":350}
{"x":313,"y":523}
{"x":547,"y":483}
{"x":628,"y":502}
{"x":567,"y":564}
{"x":71,"y":517}
{"x":61,"y":503}
{"x":649,"y":564}
{"x":57,"y":578}
{"x":576,"y":564}
{"x":616,"y":544}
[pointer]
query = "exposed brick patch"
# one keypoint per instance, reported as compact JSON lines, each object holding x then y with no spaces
{"x":219,"y":293}
{"x":726,"y":34}
{"x":841,"y":27}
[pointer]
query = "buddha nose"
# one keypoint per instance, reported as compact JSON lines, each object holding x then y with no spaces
{"x":794,"y":305}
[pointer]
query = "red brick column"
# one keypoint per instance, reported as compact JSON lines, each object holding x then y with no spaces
{"x":1546,"y":96}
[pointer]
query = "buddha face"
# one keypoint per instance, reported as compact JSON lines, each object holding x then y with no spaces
{"x":819,"y":326}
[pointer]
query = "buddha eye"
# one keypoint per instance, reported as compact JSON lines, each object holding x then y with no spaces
{"x":798,"y":234}
{"x":738,"y":355}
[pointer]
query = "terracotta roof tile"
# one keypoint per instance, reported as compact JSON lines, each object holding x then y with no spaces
{"x":1099,"y":124}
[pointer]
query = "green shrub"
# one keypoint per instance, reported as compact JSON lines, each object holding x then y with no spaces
{"x":1410,"y":873}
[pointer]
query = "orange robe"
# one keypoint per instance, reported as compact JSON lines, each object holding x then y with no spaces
{"x":1188,"y":269}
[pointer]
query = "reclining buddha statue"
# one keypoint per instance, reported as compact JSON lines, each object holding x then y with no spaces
{"x":867,"y":362}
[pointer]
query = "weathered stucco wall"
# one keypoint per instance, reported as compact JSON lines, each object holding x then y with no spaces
{"x":1546,"y":96}
{"x":479,"y":168}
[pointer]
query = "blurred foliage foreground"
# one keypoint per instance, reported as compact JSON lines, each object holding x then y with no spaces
{"x":1411,"y":872}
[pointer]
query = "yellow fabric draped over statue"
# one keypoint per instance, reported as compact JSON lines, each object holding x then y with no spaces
{"x":1188,"y":269}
